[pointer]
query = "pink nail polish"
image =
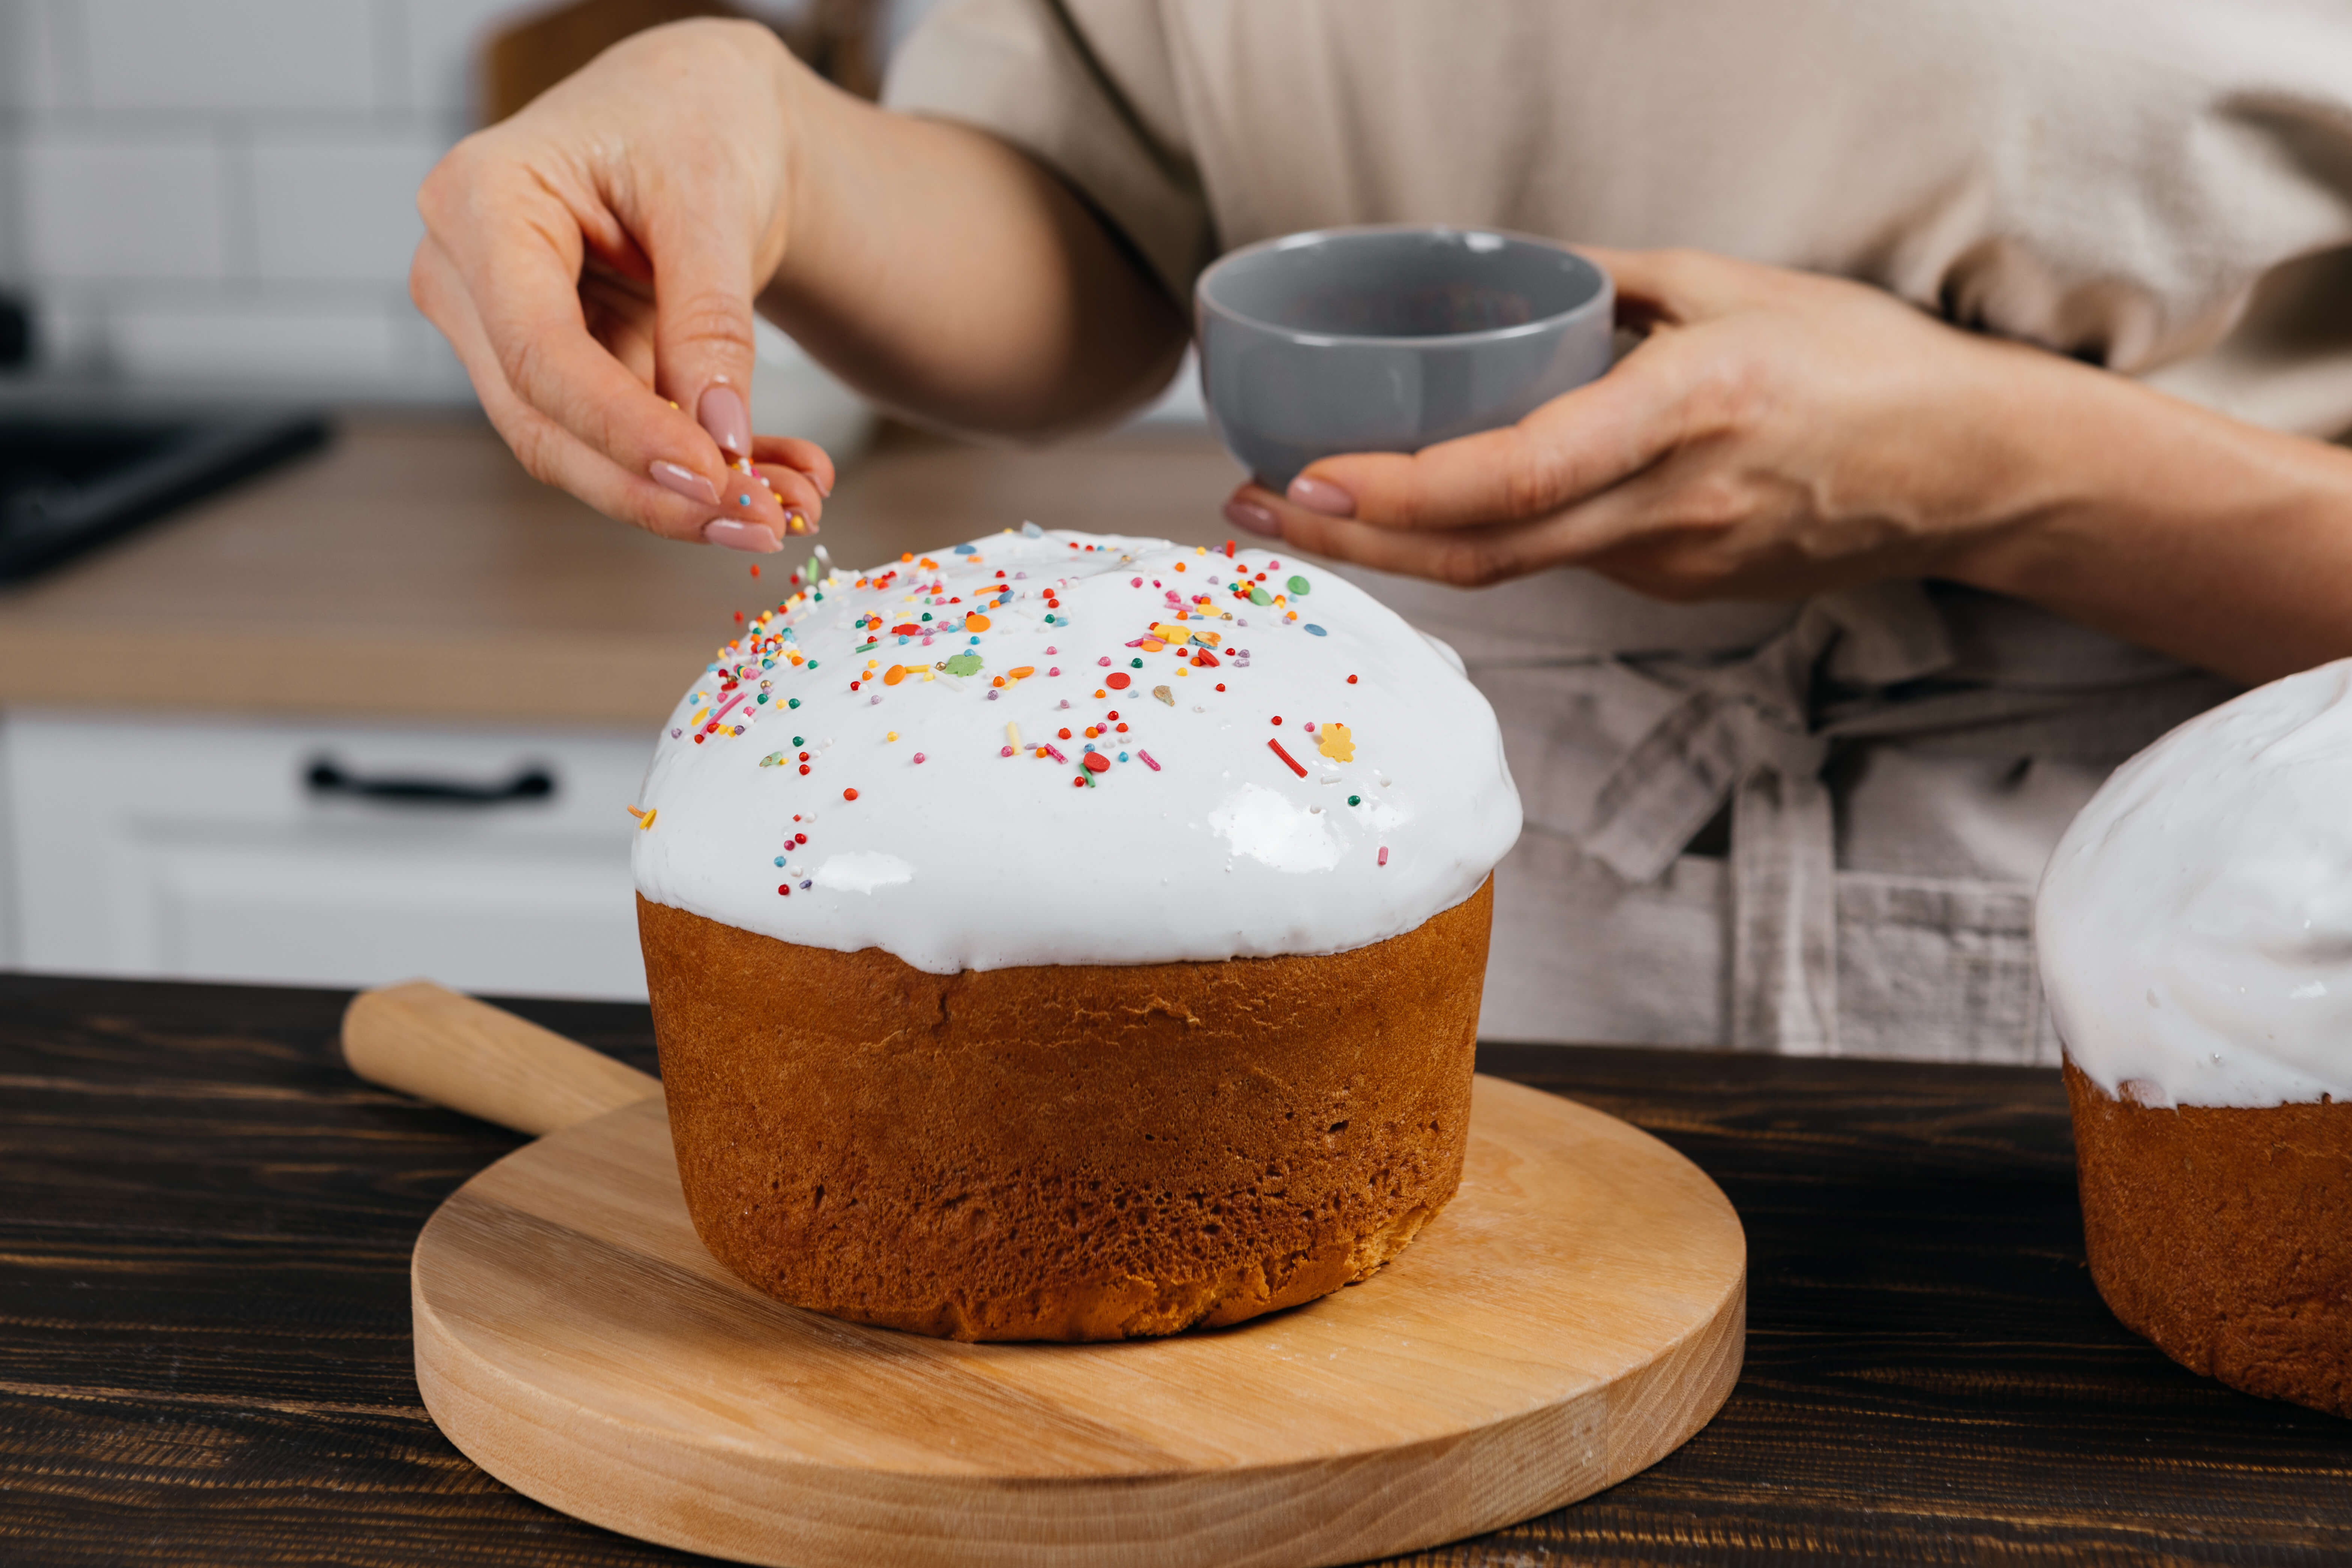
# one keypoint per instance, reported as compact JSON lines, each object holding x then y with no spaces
{"x":685,"y":481}
{"x":1257,"y":518}
{"x":722,"y":413}
{"x":1321,"y":495}
{"x":733,"y":536}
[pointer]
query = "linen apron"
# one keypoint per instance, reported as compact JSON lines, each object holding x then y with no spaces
{"x":1808,"y":827}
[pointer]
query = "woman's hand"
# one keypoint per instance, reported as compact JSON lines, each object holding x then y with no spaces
{"x":594,"y":261}
{"x":1776,"y":434}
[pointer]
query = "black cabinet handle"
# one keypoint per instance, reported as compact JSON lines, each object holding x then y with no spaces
{"x":326,"y":777}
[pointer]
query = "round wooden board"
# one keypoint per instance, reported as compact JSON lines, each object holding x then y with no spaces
{"x":1574,"y":1315}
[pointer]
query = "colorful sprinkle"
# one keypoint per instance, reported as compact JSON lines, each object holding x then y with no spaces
{"x":1117,"y":680}
{"x":1288,"y":759}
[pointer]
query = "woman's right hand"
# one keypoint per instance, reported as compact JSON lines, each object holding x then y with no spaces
{"x":594,"y":261}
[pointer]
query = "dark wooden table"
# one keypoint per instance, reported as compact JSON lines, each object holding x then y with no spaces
{"x":205,"y":1225}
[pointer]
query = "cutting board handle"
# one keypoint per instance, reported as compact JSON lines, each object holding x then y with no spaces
{"x":427,"y":1040}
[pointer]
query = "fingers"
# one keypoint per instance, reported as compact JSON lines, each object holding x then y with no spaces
{"x":1626,"y":518}
{"x":554,"y":456}
{"x":1571,"y":449}
{"x":806,"y":457}
{"x":1673,"y":286}
{"x":517,"y":249}
{"x":702,"y":310}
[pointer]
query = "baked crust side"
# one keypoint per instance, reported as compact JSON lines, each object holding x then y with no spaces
{"x":2224,"y":1236}
{"x":1063,"y":1153}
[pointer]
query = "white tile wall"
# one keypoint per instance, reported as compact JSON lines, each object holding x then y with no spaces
{"x":338,"y":206}
{"x":239,"y":57}
{"x":104,"y":206}
{"x":284,"y":342}
{"x":224,"y":191}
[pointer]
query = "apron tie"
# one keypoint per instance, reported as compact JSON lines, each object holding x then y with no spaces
{"x":1745,"y":733}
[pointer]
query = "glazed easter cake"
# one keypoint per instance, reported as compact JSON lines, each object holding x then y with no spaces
{"x":2194,"y":928}
{"x":1069,"y":937}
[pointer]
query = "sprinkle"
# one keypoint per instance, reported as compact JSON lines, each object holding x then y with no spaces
{"x":1351,"y":680}
{"x":1355,"y":800}
{"x":1118,"y":680}
{"x":755,"y":569}
{"x":1056,"y":756}
{"x":1384,"y":854}
{"x":890,"y":735}
{"x":1314,"y":631}
{"x":975,"y":621}
{"x":962,"y":664}
{"x":1286,"y":757}
{"x":1013,"y":734}
{"x":895,"y":674}
{"x":1277,"y":718}
{"x":1335,"y":742}
{"x":849,"y":795}
{"x":919,"y":756}
{"x":645,"y":819}
{"x":1260,"y":597}
{"x":1095,"y":762}
{"x":1297,"y":585}
{"x":1167,"y":695}
{"x":1148,"y":762}
{"x":1006,"y":751}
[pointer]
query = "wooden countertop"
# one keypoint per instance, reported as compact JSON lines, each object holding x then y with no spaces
{"x":414,"y":571}
{"x":205,"y":1351}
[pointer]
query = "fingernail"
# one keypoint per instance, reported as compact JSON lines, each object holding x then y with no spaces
{"x":685,"y":481}
{"x":1248,"y":514}
{"x":823,"y":486}
{"x":1321,"y":495}
{"x":733,"y":536}
{"x":721,"y":412}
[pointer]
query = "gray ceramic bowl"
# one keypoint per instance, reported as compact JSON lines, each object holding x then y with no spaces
{"x":1387,"y":339}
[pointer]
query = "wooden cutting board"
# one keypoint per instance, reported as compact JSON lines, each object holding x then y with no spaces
{"x":1575,"y":1314}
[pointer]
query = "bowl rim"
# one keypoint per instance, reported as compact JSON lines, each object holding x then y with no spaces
{"x":1603,"y":299}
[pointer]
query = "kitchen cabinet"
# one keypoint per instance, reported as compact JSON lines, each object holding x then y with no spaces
{"x":322,"y":853}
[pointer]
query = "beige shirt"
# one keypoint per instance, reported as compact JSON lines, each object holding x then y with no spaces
{"x":2164,"y":187}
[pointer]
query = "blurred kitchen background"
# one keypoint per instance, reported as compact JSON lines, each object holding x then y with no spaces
{"x":302,"y":678}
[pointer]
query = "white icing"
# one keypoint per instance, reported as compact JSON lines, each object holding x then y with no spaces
{"x":974,"y":859}
{"x":2195,"y":923}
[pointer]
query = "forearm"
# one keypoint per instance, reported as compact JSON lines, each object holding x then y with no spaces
{"x":2166,"y":525}
{"x":945,"y":274}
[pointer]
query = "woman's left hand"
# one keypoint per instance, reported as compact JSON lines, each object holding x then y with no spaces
{"x":1776,"y":434}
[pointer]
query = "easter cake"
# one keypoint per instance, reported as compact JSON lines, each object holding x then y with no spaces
{"x":2195,"y":933}
{"x":1069,"y":937}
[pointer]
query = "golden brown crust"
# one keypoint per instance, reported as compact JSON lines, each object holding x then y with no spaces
{"x":2225,"y":1234}
{"x":1080,"y":1151}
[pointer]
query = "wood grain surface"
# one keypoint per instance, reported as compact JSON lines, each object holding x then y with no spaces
{"x":1573,"y":1315}
{"x":204,"y":1350}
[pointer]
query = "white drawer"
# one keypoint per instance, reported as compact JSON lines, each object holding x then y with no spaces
{"x":203,"y":849}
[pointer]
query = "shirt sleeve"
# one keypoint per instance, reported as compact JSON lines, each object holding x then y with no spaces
{"x":1083,"y":87}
